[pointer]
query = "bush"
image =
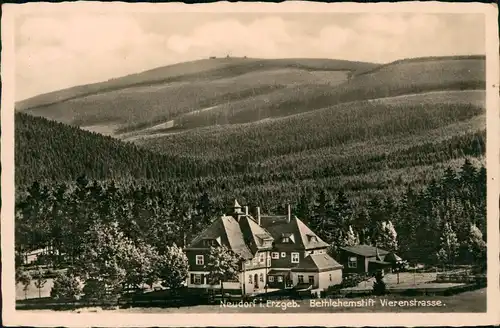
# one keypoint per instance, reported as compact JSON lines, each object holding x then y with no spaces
{"x":379,"y":287}
{"x":351,"y":280}
{"x":66,"y":287}
{"x":94,"y":290}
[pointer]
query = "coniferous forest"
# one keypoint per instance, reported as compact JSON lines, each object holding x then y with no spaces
{"x":69,"y":180}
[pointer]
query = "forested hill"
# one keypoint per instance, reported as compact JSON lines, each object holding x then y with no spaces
{"x":47,"y":151}
{"x":52,"y":152}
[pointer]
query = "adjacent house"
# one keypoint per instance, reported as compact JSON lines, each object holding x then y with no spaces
{"x":366,"y":259}
{"x":277,"y":252}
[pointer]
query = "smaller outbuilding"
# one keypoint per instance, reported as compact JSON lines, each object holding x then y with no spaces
{"x":367,"y":259}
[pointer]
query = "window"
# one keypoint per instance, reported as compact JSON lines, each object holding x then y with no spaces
{"x":261,"y":277}
{"x":352,"y":262}
{"x":301,"y":279}
{"x":295,"y":257}
{"x":249,"y":278}
{"x":330,"y":275}
{"x":283,"y":254}
{"x":261,"y":258}
{"x":275,"y":255}
{"x":268,"y":261}
{"x":200,"y":260}
{"x":285,"y":240}
{"x":197,"y":279}
{"x":255,"y":261}
{"x":280,"y":279}
{"x":271,"y":278}
{"x":311,"y":280}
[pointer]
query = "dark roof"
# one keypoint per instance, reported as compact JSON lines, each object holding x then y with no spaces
{"x":253,"y":234}
{"x":228,"y":231}
{"x":304,"y":238}
{"x":393,"y":258}
{"x":317,"y":262}
{"x":379,"y":262}
{"x":365,"y":250}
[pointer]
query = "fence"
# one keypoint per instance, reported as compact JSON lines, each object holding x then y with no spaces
{"x":461,"y":277}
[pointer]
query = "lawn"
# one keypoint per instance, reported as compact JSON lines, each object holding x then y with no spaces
{"x":472,"y":301}
{"x":32,"y":291}
{"x":467,"y":302}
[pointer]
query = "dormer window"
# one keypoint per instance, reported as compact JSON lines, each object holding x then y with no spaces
{"x":312,"y":238}
{"x":211,"y":242}
{"x":287,"y":238}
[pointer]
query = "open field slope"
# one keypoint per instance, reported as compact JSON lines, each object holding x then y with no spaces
{"x":400,"y":78}
{"x":161,"y":80}
{"x":234,"y":91}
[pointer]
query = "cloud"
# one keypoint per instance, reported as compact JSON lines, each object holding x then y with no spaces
{"x":58,"y":53}
{"x":55,"y":52}
{"x":261,"y":37}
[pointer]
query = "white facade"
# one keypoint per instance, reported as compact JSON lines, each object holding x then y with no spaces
{"x":246,"y":281}
{"x":329,"y":278}
{"x":319,"y":280}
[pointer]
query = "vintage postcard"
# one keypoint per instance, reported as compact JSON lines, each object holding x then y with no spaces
{"x":250,"y":164}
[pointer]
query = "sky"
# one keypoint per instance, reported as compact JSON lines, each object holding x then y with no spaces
{"x":60,"y":50}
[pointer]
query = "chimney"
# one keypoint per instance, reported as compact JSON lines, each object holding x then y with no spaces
{"x":246,"y":210}
{"x":258,"y":215}
{"x":289,"y":213}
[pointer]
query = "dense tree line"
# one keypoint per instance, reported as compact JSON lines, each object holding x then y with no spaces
{"x":444,"y":222}
{"x":245,"y":172}
{"x":56,"y":216}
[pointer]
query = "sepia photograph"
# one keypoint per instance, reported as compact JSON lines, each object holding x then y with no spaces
{"x":230,"y":158}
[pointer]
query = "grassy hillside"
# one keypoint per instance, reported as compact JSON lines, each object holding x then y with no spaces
{"x":193,"y":71}
{"x":233,"y":91}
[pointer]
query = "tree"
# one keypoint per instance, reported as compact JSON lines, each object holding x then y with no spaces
{"x":66,"y":287}
{"x":40,"y":281}
{"x":449,"y":245}
{"x":222,"y":265}
{"x":346,"y":238}
{"x":140,"y":265}
{"x":105,"y":257}
{"x":386,"y":236}
{"x":476,"y":246}
{"x":173,"y":267}
{"x":25,"y":279}
{"x":349,"y":238}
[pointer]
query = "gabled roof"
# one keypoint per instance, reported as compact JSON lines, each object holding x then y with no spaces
{"x":393,"y":258}
{"x":253,"y":234}
{"x":318,"y":262}
{"x":365,"y":250}
{"x":304,"y":238}
{"x":228,"y":230}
